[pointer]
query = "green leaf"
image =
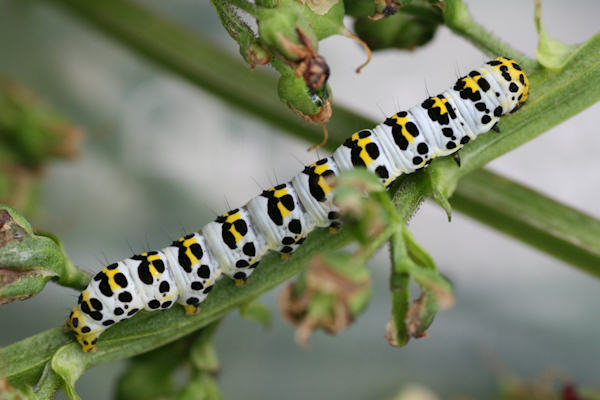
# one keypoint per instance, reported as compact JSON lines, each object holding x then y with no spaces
{"x":150,"y":375}
{"x":551,"y":53}
{"x":396,"y":332}
{"x":69,"y":362}
{"x":410,"y":260}
{"x":324,"y":24}
{"x":292,"y":90}
{"x":29,"y":261}
{"x":279,"y":29}
{"x":256,"y":311}
{"x":441,"y":188}
{"x":417,"y":253}
{"x":48,"y":384}
{"x":202,"y":387}
{"x":420,"y":314}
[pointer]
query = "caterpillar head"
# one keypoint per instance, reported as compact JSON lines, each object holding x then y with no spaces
{"x":85,"y":331}
{"x":513,"y":79}
{"x":84,"y":321}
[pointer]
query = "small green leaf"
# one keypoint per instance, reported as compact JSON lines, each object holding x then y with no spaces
{"x":416,"y":252}
{"x":326,"y":17}
{"x":364,"y":214}
{"x":434,"y":283}
{"x":48,"y":384}
{"x":409,"y":259}
{"x":551,"y":53}
{"x":322,"y":7}
{"x":150,"y":375}
{"x":29,"y":261}
{"x":256,"y":311}
{"x":396,"y":332}
{"x":420,"y":314}
{"x":292,"y":90}
{"x":69,"y":362}
{"x":202,"y":387}
{"x":442,"y":186}
{"x":286,"y":31}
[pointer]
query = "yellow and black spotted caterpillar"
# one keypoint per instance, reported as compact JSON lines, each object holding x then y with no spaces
{"x":280,"y":218}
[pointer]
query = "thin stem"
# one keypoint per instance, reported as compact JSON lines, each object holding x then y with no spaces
{"x":527,"y":215}
{"x":231,"y":20}
{"x":399,"y":288}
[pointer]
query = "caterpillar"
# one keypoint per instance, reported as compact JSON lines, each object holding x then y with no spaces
{"x":281,"y":217}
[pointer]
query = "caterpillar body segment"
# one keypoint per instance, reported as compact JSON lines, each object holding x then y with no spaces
{"x":314,"y":190}
{"x":235,"y":241}
{"x":279,"y":218}
{"x":194,"y":269}
{"x":282,"y":219}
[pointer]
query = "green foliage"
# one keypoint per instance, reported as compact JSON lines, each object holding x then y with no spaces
{"x":254,"y":310}
{"x":564,"y":81}
{"x":151,"y":375}
{"x":551,"y":53}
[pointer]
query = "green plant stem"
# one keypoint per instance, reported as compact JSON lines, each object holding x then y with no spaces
{"x":399,"y":287}
{"x":48,"y":384}
{"x":525,"y":214}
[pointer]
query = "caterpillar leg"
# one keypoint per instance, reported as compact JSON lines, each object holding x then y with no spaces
{"x":240,"y":282}
{"x":191,"y":309}
{"x":456,"y":158}
{"x":495,"y":128}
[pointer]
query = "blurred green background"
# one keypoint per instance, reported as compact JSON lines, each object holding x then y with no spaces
{"x":160,"y":158}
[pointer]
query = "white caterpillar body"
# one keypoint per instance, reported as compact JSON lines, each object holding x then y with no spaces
{"x":280,"y":218}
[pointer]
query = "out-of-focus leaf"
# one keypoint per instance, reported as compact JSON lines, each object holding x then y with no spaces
{"x":28,"y":261}
{"x":256,"y":311}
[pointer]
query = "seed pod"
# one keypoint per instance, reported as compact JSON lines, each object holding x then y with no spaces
{"x":287,"y":32}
